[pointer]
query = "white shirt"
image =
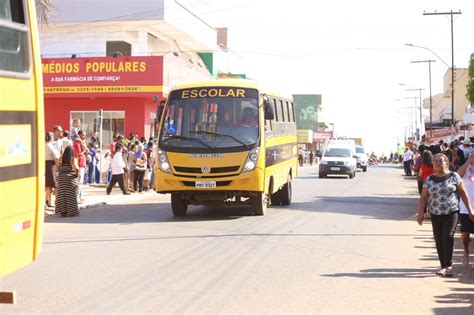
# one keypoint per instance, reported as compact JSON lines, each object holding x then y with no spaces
{"x":51,"y":153}
{"x":118,"y":164}
{"x":407,"y":156}
{"x":468,"y":180}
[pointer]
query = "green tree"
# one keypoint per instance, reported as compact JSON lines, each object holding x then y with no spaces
{"x":470,"y":83}
{"x":44,"y":10}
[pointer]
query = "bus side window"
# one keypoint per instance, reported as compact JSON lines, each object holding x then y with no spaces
{"x":288,"y":112}
{"x":14,"y":51}
{"x":279,"y":111}
{"x":292,"y":112}
{"x":284,"y":113}
{"x":277,"y":114}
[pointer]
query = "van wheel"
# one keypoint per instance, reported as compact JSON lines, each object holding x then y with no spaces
{"x":260,"y":203}
{"x":275,"y":198}
{"x":322,"y":175}
{"x":285,"y":194}
{"x":365,"y":168}
{"x":351,"y":175}
{"x":178,"y":205}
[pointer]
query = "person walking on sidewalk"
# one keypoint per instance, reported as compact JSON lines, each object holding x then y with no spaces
{"x":140,"y":161}
{"x":407,"y":161}
{"x":441,"y":191}
{"x":466,"y":171}
{"x":117,"y":166}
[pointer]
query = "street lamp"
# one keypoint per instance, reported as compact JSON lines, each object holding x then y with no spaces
{"x":418,"y":130}
{"x":421,"y":106}
{"x":426,"y":48}
{"x":431,"y":101}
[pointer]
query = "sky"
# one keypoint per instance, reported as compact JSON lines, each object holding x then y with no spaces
{"x":353,"y":53}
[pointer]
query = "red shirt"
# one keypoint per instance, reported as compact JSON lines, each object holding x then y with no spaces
{"x":79,"y":152}
{"x":427,"y":171}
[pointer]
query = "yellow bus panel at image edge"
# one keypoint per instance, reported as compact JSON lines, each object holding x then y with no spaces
{"x":22,"y":147}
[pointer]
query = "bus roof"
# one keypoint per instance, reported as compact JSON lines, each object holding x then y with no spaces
{"x":219,"y":82}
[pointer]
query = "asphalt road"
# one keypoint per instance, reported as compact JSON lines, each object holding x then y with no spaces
{"x":344,"y":246}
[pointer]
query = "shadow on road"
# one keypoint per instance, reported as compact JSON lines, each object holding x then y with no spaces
{"x":150,"y":212}
{"x":387,"y":273}
{"x":369,"y":207}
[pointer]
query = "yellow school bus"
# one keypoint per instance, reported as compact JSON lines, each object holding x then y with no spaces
{"x":226,"y":142}
{"x":22,"y":137}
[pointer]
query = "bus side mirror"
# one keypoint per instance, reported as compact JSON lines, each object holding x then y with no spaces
{"x":268,"y":110}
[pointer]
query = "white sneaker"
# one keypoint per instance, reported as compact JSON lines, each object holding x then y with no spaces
{"x":448,"y":272}
{"x":441,"y":271}
{"x":465,"y":260}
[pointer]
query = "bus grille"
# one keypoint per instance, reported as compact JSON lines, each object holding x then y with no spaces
{"x":218,"y":184}
{"x":214,"y":170}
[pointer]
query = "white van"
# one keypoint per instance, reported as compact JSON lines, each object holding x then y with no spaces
{"x":339,"y":158}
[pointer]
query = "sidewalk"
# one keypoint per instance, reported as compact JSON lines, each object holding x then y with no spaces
{"x":95,"y":195}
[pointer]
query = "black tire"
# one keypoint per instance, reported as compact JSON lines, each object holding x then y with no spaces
{"x":351,"y":175}
{"x":178,"y":205}
{"x":322,"y":175}
{"x":364,"y":169}
{"x":260,"y":203}
{"x":275,"y":198}
{"x":285,"y":194}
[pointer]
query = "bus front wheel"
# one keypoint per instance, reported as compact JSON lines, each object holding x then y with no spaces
{"x":260,"y":203}
{"x":275,"y":198}
{"x":178,"y":205}
{"x":285,"y":194}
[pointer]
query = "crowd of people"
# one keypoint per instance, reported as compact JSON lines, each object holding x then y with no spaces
{"x":445,"y":176}
{"x":73,"y":160}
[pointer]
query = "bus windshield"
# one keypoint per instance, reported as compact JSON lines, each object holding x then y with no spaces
{"x":210,"y":118}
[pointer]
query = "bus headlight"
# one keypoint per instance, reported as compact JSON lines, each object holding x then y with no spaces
{"x":251,"y":161}
{"x":163,"y":162}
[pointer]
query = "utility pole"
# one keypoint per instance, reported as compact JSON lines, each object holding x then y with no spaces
{"x":429,"y":61}
{"x":452,"y":58}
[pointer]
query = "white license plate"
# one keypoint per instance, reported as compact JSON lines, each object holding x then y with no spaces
{"x":335,"y":168}
{"x":205,"y":184}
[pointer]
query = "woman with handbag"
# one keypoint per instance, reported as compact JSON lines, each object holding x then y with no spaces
{"x":140,"y":168}
{"x":66,"y":201}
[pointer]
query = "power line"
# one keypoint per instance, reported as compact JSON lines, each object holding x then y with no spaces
{"x":135,"y":27}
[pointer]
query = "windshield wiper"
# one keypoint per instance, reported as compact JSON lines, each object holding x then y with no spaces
{"x":187,"y":138}
{"x":222,"y":135}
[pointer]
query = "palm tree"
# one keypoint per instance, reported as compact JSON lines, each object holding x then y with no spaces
{"x":44,"y":10}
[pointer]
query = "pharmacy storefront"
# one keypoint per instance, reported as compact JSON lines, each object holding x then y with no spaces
{"x":127,"y":89}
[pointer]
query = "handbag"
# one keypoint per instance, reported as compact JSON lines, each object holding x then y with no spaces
{"x":140,"y":164}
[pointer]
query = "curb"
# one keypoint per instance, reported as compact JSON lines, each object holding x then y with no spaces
{"x":92,"y":205}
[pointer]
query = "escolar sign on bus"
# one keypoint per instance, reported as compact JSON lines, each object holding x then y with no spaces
{"x":212,"y":92}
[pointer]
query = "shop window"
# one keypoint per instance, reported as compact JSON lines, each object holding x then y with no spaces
{"x":118,"y":48}
{"x":113,"y":123}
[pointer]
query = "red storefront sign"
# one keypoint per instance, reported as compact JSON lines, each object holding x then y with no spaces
{"x":320,"y":136}
{"x":103,"y":77}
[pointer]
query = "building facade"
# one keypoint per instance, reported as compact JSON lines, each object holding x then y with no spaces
{"x":122,"y":57}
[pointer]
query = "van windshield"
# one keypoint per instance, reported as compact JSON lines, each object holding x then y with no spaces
{"x":360,"y":150}
{"x":337,"y":152}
